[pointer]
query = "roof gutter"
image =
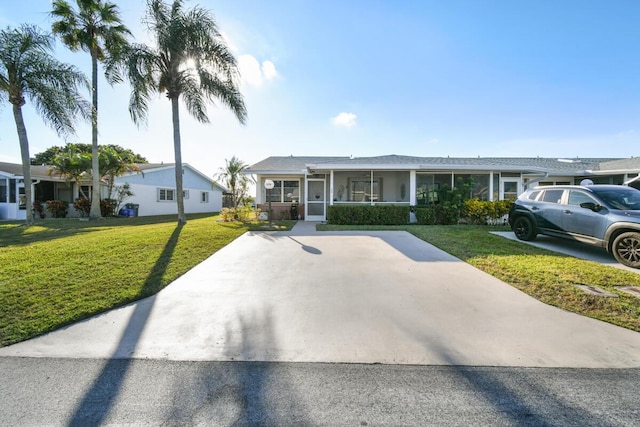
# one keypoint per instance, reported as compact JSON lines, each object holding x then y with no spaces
{"x":629,"y":181}
{"x":535,"y":181}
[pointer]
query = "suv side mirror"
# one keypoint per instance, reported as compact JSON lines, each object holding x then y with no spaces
{"x":592,"y":206}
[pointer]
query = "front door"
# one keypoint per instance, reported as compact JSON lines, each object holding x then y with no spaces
{"x":315,"y":205}
{"x":509,"y":188}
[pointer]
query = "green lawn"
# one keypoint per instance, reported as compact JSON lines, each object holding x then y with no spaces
{"x":60,"y":271}
{"x":547,"y":276}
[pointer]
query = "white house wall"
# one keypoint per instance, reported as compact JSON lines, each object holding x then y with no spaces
{"x":147,"y":197}
{"x":145,"y":189}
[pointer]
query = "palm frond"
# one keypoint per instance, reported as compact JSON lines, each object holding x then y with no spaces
{"x":32,"y":72}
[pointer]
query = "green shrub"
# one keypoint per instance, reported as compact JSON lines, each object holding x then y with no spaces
{"x":367,"y":215}
{"x":228,"y":214}
{"x":425,"y":215}
{"x":247,"y":213}
{"x":243,"y":213}
{"x":57,"y":208}
{"x":485,"y":212}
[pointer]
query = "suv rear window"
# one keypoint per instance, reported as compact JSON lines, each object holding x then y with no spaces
{"x":552,"y":196}
{"x":533,"y":195}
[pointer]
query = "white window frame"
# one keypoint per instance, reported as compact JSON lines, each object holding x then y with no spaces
{"x":204,"y":197}
{"x":185,"y":194}
{"x":167,"y":192}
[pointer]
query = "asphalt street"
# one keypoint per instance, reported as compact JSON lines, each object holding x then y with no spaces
{"x":84,"y":392}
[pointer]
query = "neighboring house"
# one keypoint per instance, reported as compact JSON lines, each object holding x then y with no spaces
{"x":153,"y":188}
{"x":45,"y":187}
{"x":313,"y":183}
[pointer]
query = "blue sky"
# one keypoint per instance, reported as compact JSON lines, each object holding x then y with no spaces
{"x":483,"y":78}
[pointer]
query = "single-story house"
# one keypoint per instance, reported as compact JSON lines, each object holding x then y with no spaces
{"x":314,"y":183}
{"x":153,"y":188}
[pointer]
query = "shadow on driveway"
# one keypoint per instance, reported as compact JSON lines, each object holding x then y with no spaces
{"x":98,"y":400}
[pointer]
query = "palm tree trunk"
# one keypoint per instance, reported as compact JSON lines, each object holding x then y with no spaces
{"x":26,"y":161}
{"x":182,"y":219}
{"x":95,"y":172}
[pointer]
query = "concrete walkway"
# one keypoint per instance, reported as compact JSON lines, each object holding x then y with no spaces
{"x":360,"y":297}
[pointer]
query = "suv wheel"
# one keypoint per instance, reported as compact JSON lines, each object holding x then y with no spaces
{"x":524,"y":229}
{"x":626,"y":249}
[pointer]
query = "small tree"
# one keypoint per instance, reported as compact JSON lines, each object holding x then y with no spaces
{"x":123,"y":192}
{"x":236,"y":181}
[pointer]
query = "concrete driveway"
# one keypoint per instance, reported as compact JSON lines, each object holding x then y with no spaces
{"x":355,"y":297}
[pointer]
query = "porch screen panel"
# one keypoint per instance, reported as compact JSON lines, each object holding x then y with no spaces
{"x":12,"y":191}
{"x":479,"y":185}
{"x":360,"y":190}
{"x":3,"y":190}
{"x":428,"y":187}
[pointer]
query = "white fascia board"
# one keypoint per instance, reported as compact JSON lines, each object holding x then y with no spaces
{"x":274,"y":172}
{"x":613,"y":171}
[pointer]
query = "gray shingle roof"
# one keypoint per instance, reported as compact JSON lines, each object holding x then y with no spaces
{"x":621,"y":164}
{"x":552,"y":165}
{"x":290,"y":163}
{"x":39,"y":171}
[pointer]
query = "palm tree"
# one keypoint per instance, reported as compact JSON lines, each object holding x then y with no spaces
{"x":236,"y":181}
{"x":190,"y":60}
{"x":73,"y":165}
{"x":28,"y":69}
{"x":96,"y":28}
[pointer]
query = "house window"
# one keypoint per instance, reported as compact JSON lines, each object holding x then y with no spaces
{"x":204,"y":197}
{"x":85,"y":191}
{"x":185,"y":194}
{"x":166,"y":195}
{"x":283,"y":191}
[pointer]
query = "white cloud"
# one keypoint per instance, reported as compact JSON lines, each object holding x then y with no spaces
{"x":269,"y":70}
{"x":347,"y":120}
{"x":253,"y":73}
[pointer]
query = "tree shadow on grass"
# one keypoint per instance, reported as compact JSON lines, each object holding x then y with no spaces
{"x":100,"y":397}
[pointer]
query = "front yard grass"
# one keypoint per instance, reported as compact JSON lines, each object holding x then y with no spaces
{"x":61,"y":271}
{"x":545,"y":275}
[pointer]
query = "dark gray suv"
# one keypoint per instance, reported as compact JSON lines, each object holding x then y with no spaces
{"x":602,"y":215}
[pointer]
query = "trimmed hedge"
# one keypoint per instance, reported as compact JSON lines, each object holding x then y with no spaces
{"x":484,"y":212}
{"x":445,"y":214}
{"x":367,"y":215}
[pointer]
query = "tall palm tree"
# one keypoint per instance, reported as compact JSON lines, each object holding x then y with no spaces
{"x":190,"y":60}
{"x":236,"y":181}
{"x":96,"y":28}
{"x":28,"y":69}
